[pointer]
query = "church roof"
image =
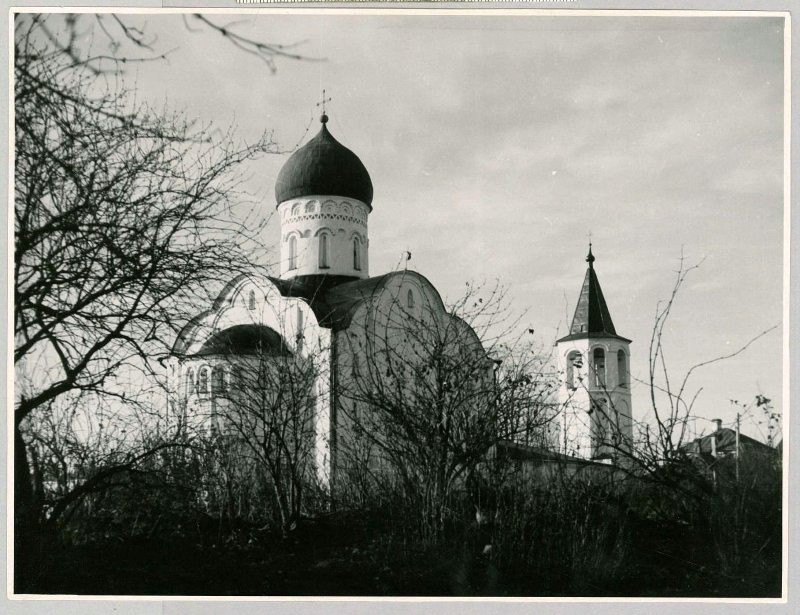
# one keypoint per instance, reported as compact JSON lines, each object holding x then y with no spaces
{"x":592,"y":318}
{"x":244,"y":340}
{"x":343,"y":299}
{"x":323,"y":166}
{"x":334,"y":299}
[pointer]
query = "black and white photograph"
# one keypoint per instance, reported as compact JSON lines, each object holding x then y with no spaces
{"x":386,"y":304}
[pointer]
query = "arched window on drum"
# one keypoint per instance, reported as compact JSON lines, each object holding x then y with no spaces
{"x":293,"y":252}
{"x":324,"y":251}
{"x":202,"y":381}
{"x":219,"y":383}
{"x":356,"y":254}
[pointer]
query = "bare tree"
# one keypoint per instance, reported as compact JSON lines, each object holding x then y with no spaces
{"x":266,"y":413}
{"x":123,"y":217}
{"x":105,"y":43}
{"x":426,"y":398}
{"x":658,"y":451}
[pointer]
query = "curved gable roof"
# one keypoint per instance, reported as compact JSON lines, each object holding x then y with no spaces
{"x":344,"y":299}
{"x":186,"y":336}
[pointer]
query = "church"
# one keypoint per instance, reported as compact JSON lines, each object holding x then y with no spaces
{"x":334,"y":345}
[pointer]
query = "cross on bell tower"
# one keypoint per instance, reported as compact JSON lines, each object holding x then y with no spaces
{"x":322,"y":103}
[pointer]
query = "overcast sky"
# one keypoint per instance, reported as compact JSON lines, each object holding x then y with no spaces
{"x":497,"y":144}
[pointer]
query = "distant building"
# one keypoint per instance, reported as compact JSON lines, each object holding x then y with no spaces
{"x":595,"y":394}
{"x":724,"y":443}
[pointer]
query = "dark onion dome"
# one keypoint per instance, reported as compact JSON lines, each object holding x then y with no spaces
{"x":324,"y":166}
{"x":245,"y":340}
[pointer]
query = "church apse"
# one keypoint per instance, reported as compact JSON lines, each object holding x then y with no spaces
{"x":253,"y":366}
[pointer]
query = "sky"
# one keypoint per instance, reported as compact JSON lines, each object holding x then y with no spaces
{"x":498,"y":145}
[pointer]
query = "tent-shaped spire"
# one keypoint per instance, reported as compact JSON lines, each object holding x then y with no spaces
{"x":592,"y":318}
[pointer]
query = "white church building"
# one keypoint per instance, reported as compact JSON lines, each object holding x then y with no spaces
{"x":325,"y":313}
{"x":324,"y":308}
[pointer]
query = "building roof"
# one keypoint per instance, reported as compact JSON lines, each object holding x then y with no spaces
{"x":323,"y":166}
{"x":725,"y":443}
{"x":525,"y":452}
{"x":592,"y":318}
{"x":334,"y":299}
{"x":245,"y":340}
{"x":344,"y":299}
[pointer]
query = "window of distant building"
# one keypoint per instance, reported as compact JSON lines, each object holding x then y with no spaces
{"x":202,"y":381}
{"x":190,"y":382}
{"x":292,"y":252}
{"x":622,"y":368}
{"x":300,"y":335}
{"x":215,"y":426}
{"x":599,"y":367}
{"x":602,"y":428}
{"x":574,"y":365}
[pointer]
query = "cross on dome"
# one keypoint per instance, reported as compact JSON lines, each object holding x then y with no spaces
{"x":324,"y":167}
{"x":324,"y":117}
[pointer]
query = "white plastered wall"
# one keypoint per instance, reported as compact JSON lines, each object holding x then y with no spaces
{"x":378,"y":324}
{"x":344,"y":220}
{"x":296,"y":323}
{"x":576,"y":393}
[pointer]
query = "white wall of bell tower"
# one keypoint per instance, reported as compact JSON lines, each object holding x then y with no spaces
{"x":595,"y":397}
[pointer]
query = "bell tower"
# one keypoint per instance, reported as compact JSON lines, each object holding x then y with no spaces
{"x":594,"y":394}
